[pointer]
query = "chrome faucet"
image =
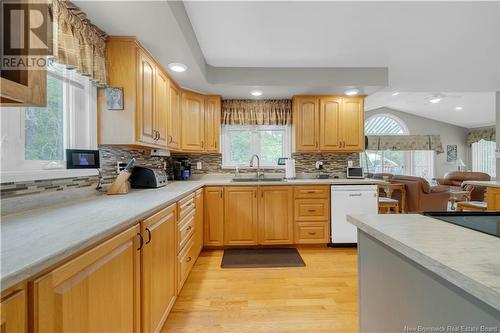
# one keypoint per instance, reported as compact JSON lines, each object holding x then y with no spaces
{"x":258,"y":164}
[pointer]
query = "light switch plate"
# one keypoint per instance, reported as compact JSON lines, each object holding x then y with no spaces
{"x":198,"y":165}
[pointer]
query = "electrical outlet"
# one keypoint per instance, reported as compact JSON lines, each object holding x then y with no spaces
{"x":198,"y":165}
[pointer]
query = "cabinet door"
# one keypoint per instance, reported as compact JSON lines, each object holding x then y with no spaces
{"x":352,"y":124}
{"x":174,"y":118}
{"x":146,"y":100}
{"x":97,"y":291}
{"x":213,"y":224}
{"x":13,"y":312}
{"x":276,"y":215}
{"x":193,"y":122}
{"x":161,"y":108}
{"x":212,"y":123}
{"x":240,"y":215}
{"x":329,"y":118}
{"x":158,"y":260}
{"x":198,"y":221}
{"x":306,"y":123}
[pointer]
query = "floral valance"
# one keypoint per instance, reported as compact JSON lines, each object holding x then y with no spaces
{"x":252,"y":112}
{"x":77,"y":43}
{"x":405,"y":142}
{"x":487,"y":134}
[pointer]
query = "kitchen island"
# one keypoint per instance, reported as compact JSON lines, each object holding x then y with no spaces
{"x":417,"y":274}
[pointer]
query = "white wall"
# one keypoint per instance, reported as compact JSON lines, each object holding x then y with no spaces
{"x":450,"y":134}
{"x":498,"y":132}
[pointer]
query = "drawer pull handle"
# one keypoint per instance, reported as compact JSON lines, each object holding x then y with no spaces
{"x":187,"y":205}
{"x":189,"y":228}
{"x":311,"y":210}
{"x":312,"y":233}
{"x":141,"y":241}
{"x":189,"y":259}
{"x":311,"y":192}
{"x":149,"y":236}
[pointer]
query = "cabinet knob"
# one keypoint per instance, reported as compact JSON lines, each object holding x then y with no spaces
{"x":189,"y":259}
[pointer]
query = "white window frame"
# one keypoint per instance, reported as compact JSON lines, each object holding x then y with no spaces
{"x":477,"y":157}
{"x":80,"y":131}
{"x":226,"y":129}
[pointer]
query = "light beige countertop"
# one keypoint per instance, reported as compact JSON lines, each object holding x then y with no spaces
{"x":466,"y":258}
{"x":491,"y":183}
{"x":34,"y":240}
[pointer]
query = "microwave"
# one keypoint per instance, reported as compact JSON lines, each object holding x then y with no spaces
{"x":355,"y":172}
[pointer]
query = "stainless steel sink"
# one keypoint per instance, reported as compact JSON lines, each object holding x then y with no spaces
{"x":242,"y":180}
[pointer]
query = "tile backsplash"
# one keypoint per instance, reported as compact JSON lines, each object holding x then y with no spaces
{"x":211,"y":163}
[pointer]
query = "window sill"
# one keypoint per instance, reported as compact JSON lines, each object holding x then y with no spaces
{"x":27,"y":175}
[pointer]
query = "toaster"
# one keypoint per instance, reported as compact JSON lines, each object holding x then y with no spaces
{"x":146,"y":177}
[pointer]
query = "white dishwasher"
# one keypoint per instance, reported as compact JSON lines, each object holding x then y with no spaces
{"x":350,"y":199}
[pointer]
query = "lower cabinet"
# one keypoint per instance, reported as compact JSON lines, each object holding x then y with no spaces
{"x":213,"y":228}
{"x":97,"y":291}
{"x":240,"y":215}
{"x":312,"y":214}
{"x":198,"y":221}
{"x":158,"y":260}
{"x":14,"y":311}
{"x":275,"y":215}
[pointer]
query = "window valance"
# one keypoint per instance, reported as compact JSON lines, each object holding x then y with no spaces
{"x":487,"y":134}
{"x":77,"y":43}
{"x":252,"y":112}
{"x":405,"y":142}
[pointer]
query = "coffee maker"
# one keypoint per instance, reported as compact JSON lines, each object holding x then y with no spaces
{"x":182,"y":169}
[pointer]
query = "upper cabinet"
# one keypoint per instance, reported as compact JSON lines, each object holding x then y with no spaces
{"x":193,"y":122}
{"x":156,"y":112}
{"x":23,"y":88}
{"x":212,"y":123}
{"x":328,"y":124}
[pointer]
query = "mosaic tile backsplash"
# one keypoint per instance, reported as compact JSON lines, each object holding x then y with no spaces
{"x":211,"y":163}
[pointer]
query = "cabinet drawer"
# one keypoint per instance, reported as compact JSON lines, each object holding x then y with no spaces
{"x":310,"y":233}
{"x":185,"y":205}
{"x":186,"y":228}
{"x":311,"y":192}
{"x":186,"y":259}
{"x":311,"y":209}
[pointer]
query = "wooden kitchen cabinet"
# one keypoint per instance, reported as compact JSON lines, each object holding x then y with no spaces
{"x":14,"y":310}
{"x":23,"y":88}
{"x":198,"y":220}
{"x":158,"y":273}
{"x":143,"y":120}
{"x":213,"y":202}
{"x":212,"y":123}
{"x":312,"y":214}
{"x":328,"y":123}
{"x":275,"y":215}
{"x":240,"y":215}
{"x":174,"y":118}
{"x":305,"y":123}
{"x":193,"y":122}
{"x":97,"y":291}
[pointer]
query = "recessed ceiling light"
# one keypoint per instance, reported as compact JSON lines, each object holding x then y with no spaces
{"x":256,"y":93}
{"x":177,"y":67}
{"x":435,"y":100}
{"x":351,"y":92}
{"x":458,"y":108}
{"x":395,"y":93}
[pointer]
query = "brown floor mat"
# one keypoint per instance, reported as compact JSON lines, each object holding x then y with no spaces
{"x":261,"y":258}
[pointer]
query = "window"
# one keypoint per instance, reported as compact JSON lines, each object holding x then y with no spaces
{"x":34,"y":138}
{"x":418,"y":163}
{"x":483,"y":157}
{"x":241,"y":142}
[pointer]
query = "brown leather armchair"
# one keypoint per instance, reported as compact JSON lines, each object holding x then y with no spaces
{"x":420,"y":196}
{"x":455,"y":181}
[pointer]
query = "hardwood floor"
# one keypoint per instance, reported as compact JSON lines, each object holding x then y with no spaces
{"x":321,"y":297}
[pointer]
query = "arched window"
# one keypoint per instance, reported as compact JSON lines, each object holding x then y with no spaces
{"x":385,"y":124}
{"x":415,"y":163}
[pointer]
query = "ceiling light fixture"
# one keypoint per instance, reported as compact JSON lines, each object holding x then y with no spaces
{"x":435,"y":100}
{"x":177,"y":67}
{"x":256,"y":93}
{"x":351,"y":92}
{"x":395,"y":93}
{"x":458,"y":108}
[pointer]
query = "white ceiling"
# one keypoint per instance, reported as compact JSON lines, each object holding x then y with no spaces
{"x":478,"y":108}
{"x":427,"y":45}
{"x":422,"y":46}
